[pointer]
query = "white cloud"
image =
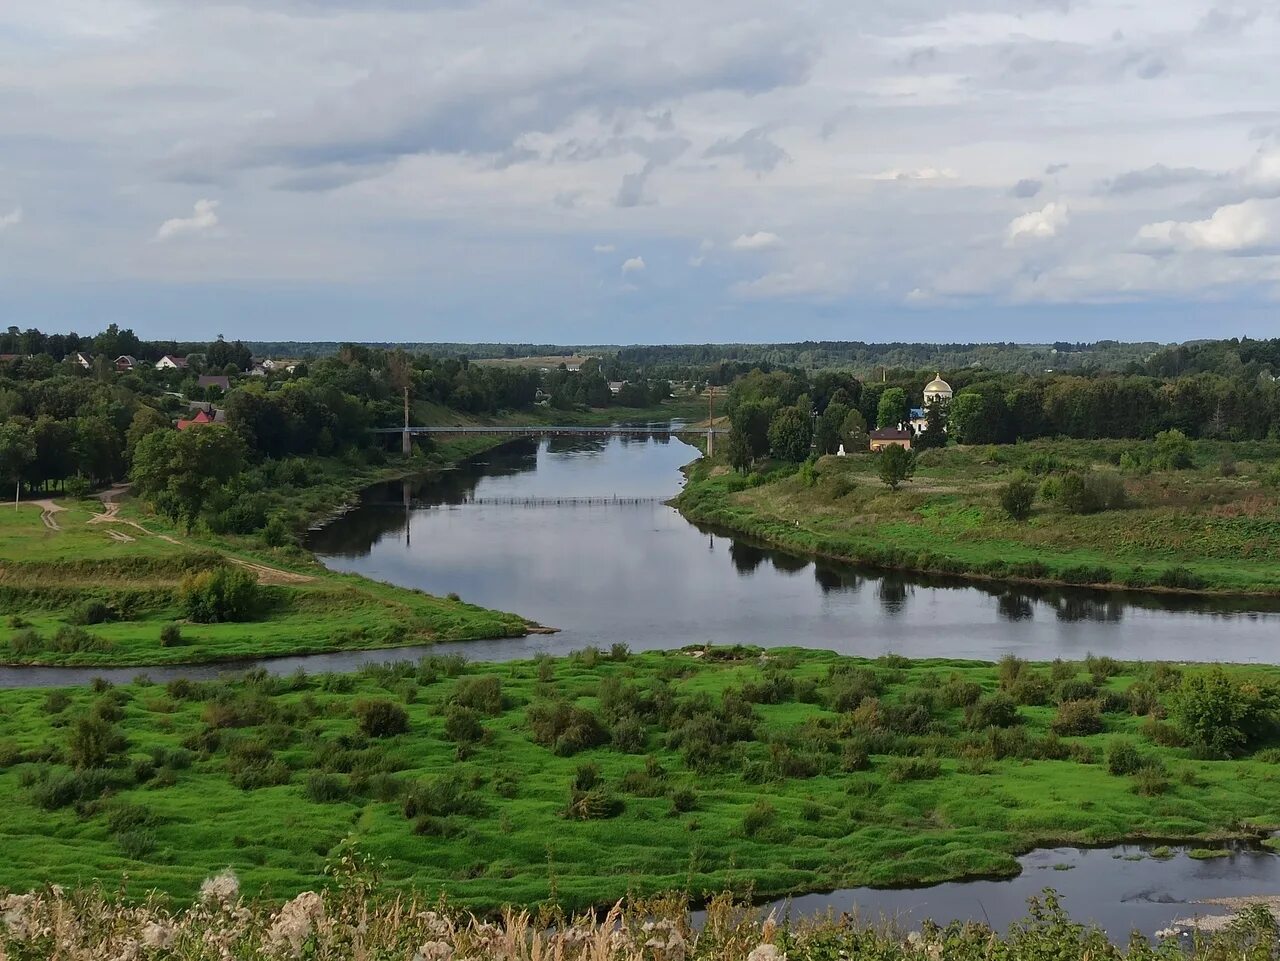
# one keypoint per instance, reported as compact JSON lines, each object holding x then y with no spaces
{"x":633,"y":265}
{"x":1039,"y":224}
{"x":203,"y":217}
{"x":923,"y":173}
{"x":1231,"y":228}
{"x":11,"y":219}
{"x":760,"y":240}
{"x":604,"y":248}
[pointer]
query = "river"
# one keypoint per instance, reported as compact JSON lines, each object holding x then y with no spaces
{"x":637,"y":573}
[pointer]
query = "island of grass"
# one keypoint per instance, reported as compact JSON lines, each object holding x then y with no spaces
{"x":587,"y":778}
{"x":1213,"y":527}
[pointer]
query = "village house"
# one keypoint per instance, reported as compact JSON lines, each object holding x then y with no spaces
{"x":169,"y":362}
{"x":213,"y":380}
{"x":84,"y":360}
{"x":890,"y":437}
{"x":202,"y":417}
{"x":126,"y":362}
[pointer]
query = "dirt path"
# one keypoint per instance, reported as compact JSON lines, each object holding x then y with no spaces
{"x":271,"y":575}
{"x":108,"y":516}
{"x":47,"y":511}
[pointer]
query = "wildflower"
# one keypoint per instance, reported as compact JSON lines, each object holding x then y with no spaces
{"x":221,"y":888}
{"x":766,"y":952}
{"x":295,"y":922}
{"x":434,"y":951}
{"x":157,"y":935}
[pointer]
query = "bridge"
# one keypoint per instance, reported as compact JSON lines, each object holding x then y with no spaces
{"x":553,"y":430}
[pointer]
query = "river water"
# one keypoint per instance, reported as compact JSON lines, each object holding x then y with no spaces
{"x":639,"y":574}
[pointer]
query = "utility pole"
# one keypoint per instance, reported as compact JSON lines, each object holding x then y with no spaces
{"x":711,"y":420}
{"x":406,"y":440}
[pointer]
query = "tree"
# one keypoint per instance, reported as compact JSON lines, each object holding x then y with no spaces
{"x":737,"y":451}
{"x":854,"y":431}
{"x":1223,"y":715}
{"x":935,"y":427}
{"x":1174,"y":451}
{"x":827,"y":439}
{"x":892,"y":408}
{"x":93,"y":741}
{"x":146,"y":420}
{"x":16,"y":452}
{"x":751,"y":419}
{"x":789,"y":435}
{"x":183,"y":470}
{"x":1017,"y":497}
{"x":895,"y":465}
{"x":968,"y":416}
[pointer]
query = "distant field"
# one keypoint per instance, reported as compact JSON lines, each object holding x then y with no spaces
{"x":591,"y":777}
{"x":547,"y":361}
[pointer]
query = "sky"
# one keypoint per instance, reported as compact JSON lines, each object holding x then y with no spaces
{"x":622,"y":172}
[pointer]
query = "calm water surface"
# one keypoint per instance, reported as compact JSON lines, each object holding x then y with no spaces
{"x":642,"y":575}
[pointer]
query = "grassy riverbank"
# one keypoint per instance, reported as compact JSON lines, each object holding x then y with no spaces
{"x":586,"y":778}
{"x":1214,"y":527}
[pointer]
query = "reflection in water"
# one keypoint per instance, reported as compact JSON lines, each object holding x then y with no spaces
{"x":643,"y":576}
{"x":1015,"y":606}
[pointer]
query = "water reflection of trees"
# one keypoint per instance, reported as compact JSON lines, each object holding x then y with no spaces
{"x":892,"y":592}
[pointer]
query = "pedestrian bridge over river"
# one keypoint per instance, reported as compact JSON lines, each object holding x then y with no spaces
{"x":549,"y":430}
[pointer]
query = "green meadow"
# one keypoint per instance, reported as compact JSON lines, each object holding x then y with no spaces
{"x":1213,"y":527}
{"x":586,"y":778}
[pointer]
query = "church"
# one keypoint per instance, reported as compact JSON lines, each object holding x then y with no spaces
{"x":937,"y":391}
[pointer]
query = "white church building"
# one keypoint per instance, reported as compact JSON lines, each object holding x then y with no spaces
{"x":937,"y":391}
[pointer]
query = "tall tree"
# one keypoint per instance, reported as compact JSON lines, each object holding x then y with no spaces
{"x":183,"y":470}
{"x":789,"y":434}
{"x":892,"y":408}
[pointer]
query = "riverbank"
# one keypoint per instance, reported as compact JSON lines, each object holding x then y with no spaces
{"x":1204,"y":530}
{"x":587,"y":778}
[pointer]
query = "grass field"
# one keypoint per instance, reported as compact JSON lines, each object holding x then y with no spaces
{"x":585,"y":778}
{"x":1204,"y":529}
{"x":134,"y":565}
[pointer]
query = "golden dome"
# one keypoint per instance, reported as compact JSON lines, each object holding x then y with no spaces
{"x":937,"y":385}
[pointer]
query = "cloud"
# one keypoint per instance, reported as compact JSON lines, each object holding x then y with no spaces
{"x":633,"y":265}
{"x":604,"y":248}
{"x":923,"y":173}
{"x":631,"y":190}
{"x":11,"y":219}
{"x":699,"y":258}
{"x":1052,"y":169}
{"x":1232,"y":228}
{"x":760,"y":240}
{"x":757,"y":151}
{"x":1026,"y":188}
{"x":1155,"y":177}
{"x":1038,"y":224}
{"x":204,"y":217}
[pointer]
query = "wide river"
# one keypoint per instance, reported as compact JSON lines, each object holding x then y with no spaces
{"x":522,"y":529}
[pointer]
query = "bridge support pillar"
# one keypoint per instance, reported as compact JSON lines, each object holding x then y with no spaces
{"x":711,"y":442}
{"x":406,"y":443}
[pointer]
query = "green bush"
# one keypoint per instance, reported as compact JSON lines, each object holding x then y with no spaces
{"x":378,"y":717}
{"x":170,"y":635}
{"x":913,"y":769}
{"x":1222,"y":715}
{"x":25,"y":642}
{"x":996,"y":710}
{"x":1091,"y":493}
{"x":759,"y":816}
{"x":90,"y":612}
{"x":1077,"y":719}
{"x":1017,"y":498}
{"x":1123,"y":757}
{"x":325,"y":788}
{"x":221,"y":595}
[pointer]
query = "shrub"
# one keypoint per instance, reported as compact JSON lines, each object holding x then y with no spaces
{"x":482,"y":694}
{"x":1180,"y":578}
{"x":959,"y":692}
{"x":439,"y":797}
{"x":593,"y":805}
{"x":1031,"y":689}
{"x":1141,"y":698}
{"x":25,"y":642}
{"x":997,"y":710}
{"x":1123,"y":757}
{"x":564,"y":727}
{"x":64,"y":788}
{"x":1017,"y":498}
{"x":378,"y":717}
{"x":683,"y":800}
{"x":1076,"y":689}
{"x":56,"y":701}
{"x":1091,"y":493}
{"x":325,"y":788}
{"x":90,"y":612}
{"x":220,"y":595}
{"x":77,"y":486}
{"x":759,"y":816}
{"x":136,"y":844}
{"x":276,"y":533}
{"x":462,"y":725}
{"x":170,"y":635}
{"x":913,"y":769}
{"x":73,"y":640}
{"x":1076,"y":719}
{"x":94,"y":741}
{"x":251,"y":764}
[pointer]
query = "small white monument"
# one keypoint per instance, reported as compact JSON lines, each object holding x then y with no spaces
{"x":840,"y":452}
